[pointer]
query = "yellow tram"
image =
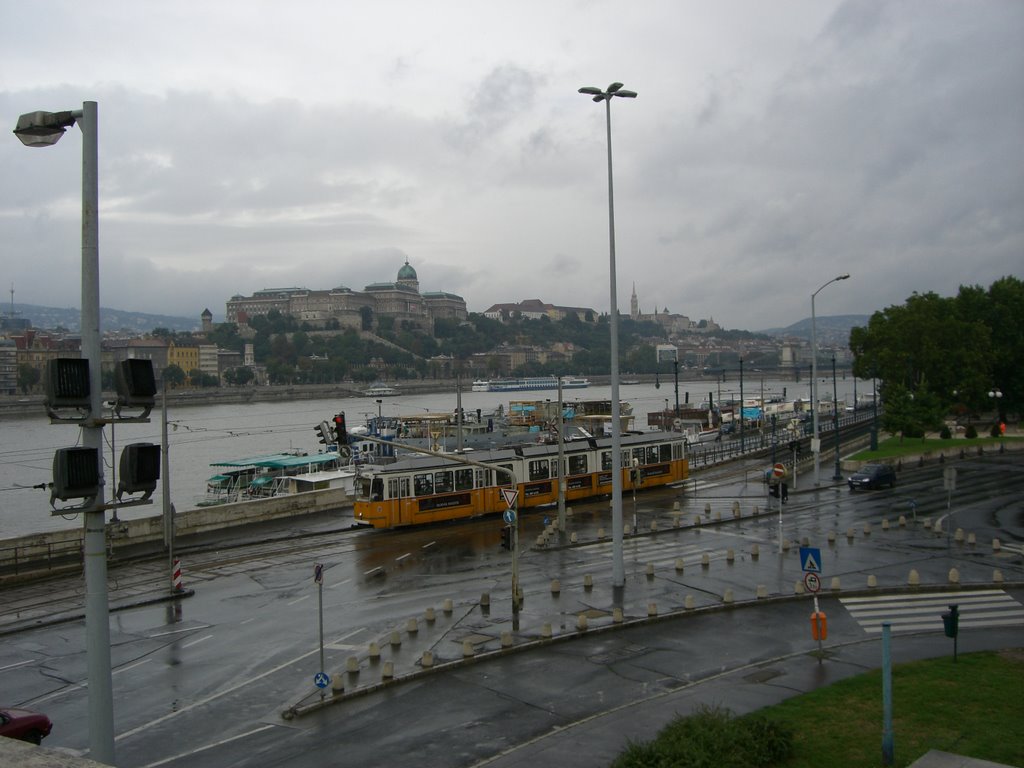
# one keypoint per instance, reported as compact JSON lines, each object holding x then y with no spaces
{"x":429,"y":489}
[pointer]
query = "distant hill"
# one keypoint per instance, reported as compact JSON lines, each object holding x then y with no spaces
{"x":832,"y":329}
{"x":110,"y":319}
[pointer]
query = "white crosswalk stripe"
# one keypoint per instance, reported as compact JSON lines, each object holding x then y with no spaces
{"x":919,"y":613}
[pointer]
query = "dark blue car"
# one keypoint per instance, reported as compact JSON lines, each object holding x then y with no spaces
{"x":872,"y":476}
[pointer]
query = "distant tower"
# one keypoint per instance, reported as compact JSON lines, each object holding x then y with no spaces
{"x":634,"y":305}
{"x":407,"y":276}
{"x":207,"y":318}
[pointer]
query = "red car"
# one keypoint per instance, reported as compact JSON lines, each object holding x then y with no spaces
{"x":24,"y":724}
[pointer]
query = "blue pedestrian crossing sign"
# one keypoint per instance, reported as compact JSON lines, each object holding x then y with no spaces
{"x":810,"y":559}
{"x":321,"y":679}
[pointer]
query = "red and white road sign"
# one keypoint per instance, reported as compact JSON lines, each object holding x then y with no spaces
{"x":779,"y":470}
{"x":812,"y":582}
{"x":511,"y":495}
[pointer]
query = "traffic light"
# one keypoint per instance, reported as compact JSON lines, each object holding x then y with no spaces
{"x":323,"y":429}
{"x":773,"y":490}
{"x":506,"y":537}
{"x":340,"y":432}
{"x":140,"y":469}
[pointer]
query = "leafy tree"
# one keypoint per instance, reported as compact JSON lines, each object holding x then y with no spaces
{"x":173,"y":375}
{"x":28,"y":377}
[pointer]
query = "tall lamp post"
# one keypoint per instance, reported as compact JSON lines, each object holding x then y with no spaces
{"x":835,"y":419}
{"x":618,"y":565}
{"x":43,"y":129}
{"x":815,"y":442}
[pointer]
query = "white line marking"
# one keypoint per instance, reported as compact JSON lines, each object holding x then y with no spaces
{"x":196,"y":642}
{"x":208,"y":746}
{"x":179,"y":631}
{"x":15,"y":666}
{"x":119,"y":670}
{"x":298,"y":600}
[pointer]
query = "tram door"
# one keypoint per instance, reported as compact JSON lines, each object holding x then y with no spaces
{"x":401,"y":500}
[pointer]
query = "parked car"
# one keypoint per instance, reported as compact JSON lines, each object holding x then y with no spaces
{"x":24,"y":724}
{"x":872,"y":476}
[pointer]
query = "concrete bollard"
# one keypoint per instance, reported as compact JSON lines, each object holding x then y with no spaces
{"x":545,"y":631}
{"x":718,"y":517}
{"x":676,"y":521}
{"x":600,"y":533}
{"x":428,"y":615}
{"x":654,"y":525}
{"x":849,"y":533}
{"x":556,"y":586}
{"x":805,"y":542}
{"x":337,"y":685}
{"x":996,"y":545}
{"x":412,"y":626}
{"x":396,"y":639}
{"x":757,"y":510}
{"x":867,"y":529}
{"x":798,"y":587}
{"x":835,"y":584}
{"x":506,"y":639}
{"x":541,"y":540}
{"x":885,"y":524}
{"x":735,"y":509}
{"x":831,"y":537}
{"x":762,"y":591}
{"x":730,"y":556}
{"x":690,"y":602}
{"x":626,"y":529}
{"x":679,"y":565}
{"x":485,"y":598}
{"x":914,"y":579}
{"x":707,"y":509}
{"x":872,"y":581}
{"x":581,"y":622}
{"x":696,"y":520}
{"x":568,"y":511}
{"x":705,"y":560}
{"x":588,"y":581}
{"x":902,"y":522}
{"x":374,"y":651}
{"x":675,"y":506}
{"x":937,"y":528}
{"x":447,"y":607}
{"x":727,"y":598}
{"x":971,"y":539}
{"x":958,"y":536}
{"x":616,"y":615}
{"x":997,"y":576}
{"x":468,"y":650}
{"x":755,"y":551}
{"x":573,"y":537}
{"x":954,"y":576}
{"x":652,"y":610}
{"x":427,"y":660}
{"x":927,"y":523}
{"x":388,"y":671}
{"x":352,"y":664}
{"x":786,"y":544}
{"x":650,"y":570}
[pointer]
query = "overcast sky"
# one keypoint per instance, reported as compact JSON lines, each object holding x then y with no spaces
{"x":773,"y":146}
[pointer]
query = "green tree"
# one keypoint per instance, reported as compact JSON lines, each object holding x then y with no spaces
{"x":174,"y":376}
{"x":28,"y":377}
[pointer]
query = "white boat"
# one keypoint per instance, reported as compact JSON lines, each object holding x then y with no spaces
{"x":481,"y":385}
{"x":380,"y":390}
{"x":529,"y":384}
{"x":574,"y":382}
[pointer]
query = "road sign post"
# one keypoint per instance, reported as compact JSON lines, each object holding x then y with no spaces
{"x":318,"y":579}
{"x":511,"y":496}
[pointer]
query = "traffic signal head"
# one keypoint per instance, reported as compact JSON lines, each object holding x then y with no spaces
{"x":773,"y":489}
{"x":323,"y":430}
{"x":506,"y":537}
{"x":340,"y":431}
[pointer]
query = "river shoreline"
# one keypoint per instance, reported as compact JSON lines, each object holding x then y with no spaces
{"x":17,"y":406}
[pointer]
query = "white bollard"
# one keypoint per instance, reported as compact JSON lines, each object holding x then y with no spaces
{"x":352,"y":664}
{"x":872,"y":581}
{"x":730,"y":556}
{"x":902,"y":521}
{"x":616,"y":615}
{"x":885,"y":524}
{"x":427,"y":661}
{"x":650,"y":570}
{"x":679,"y":565}
{"x":412,"y":626}
{"x":690,"y":602}
{"x":556,"y":586}
{"x":705,"y":560}
{"x":374,"y":650}
{"x":581,"y":622}
{"x":798,"y":587}
{"x":506,"y":639}
{"x":588,"y":581}
{"x":388,"y":671}
{"x":762,"y":591}
{"x":396,"y":639}
{"x":755,"y":551}
{"x":468,"y":651}
{"x":835,"y":584}
{"x":545,"y":631}
{"x":447,"y":607}
{"x":997,"y":576}
{"x":573,"y":537}
{"x":996,"y":545}
{"x":652,"y":610}
{"x":428,"y":615}
{"x":914,"y":579}
{"x":600,"y":533}
{"x":954,"y":576}
{"x":727,"y":597}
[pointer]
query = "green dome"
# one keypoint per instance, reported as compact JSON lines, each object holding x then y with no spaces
{"x":407,"y":272}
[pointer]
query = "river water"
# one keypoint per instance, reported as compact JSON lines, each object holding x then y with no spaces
{"x":201,"y":435}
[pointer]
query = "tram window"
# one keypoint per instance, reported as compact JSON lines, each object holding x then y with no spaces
{"x":443,"y":482}
{"x":423,"y":484}
{"x":398,"y":487}
{"x":463,"y":479}
{"x":483,"y":478}
{"x":638,"y":457}
{"x":540,"y":470}
{"x":677,"y":450}
{"x":665,"y":452}
{"x":504,"y":478}
{"x":578,"y":465}
{"x":606,"y":460}
{"x":377,"y":490}
{"x":653,"y":454}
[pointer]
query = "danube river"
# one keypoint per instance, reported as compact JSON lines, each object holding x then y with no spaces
{"x":199,"y":435}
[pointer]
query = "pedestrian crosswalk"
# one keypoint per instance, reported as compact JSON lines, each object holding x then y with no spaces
{"x":923,"y":612}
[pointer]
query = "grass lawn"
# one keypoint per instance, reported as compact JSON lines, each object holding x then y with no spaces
{"x":972,"y":707}
{"x":894,"y":448}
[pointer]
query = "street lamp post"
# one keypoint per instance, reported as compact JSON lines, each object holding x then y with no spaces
{"x":42,"y":129}
{"x":835,"y":419}
{"x":618,"y":565}
{"x":815,"y":442}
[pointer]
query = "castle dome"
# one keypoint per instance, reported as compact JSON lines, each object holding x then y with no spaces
{"x":407,"y":272}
